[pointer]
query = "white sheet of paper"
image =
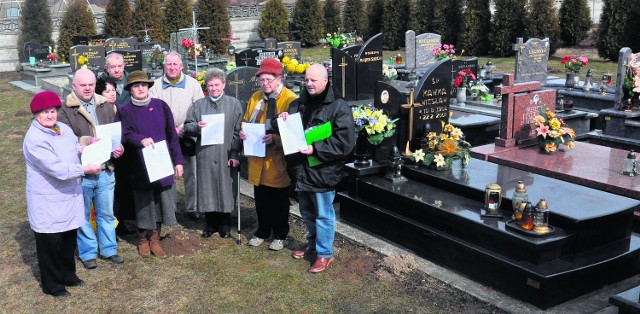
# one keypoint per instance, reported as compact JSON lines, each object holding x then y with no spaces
{"x":96,"y":153}
{"x":112,"y":131}
{"x":158,"y":161}
{"x":253,"y":145}
{"x":213,"y":133}
{"x":292,"y":134}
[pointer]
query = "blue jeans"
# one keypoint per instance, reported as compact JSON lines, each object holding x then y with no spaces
{"x":98,"y":189}
{"x":318,"y":214}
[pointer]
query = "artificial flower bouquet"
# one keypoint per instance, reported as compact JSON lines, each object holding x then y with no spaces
{"x":552,"y":131}
{"x":388,"y":73}
{"x":444,"y":51}
{"x":464,"y":78}
{"x":632,"y":77}
{"x":574,"y":64}
{"x":441,"y":150}
{"x":377,"y":124}
{"x":337,"y":39}
{"x":292,"y":66}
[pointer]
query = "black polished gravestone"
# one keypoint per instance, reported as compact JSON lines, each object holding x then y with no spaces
{"x":291,"y":49}
{"x":129,"y":43}
{"x":147,"y":48}
{"x":242,"y":83}
{"x":246,"y":57}
{"x":462,"y":65}
{"x":352,"y":50}
{"x":343,"y":76}
{"x":389,"y":99}
{"x":38,"y":51}
{"x":431,"y":103}
{"x":132,"y":59}
{"x":94,"y":54}
{"x":264,"y":54}
{"x":80,"y":40}
{"x":270,"y":43}
{"x":532,"y":58}
{"x":368,"y":67}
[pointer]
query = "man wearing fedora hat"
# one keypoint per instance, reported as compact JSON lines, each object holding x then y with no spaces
{"x":179,"y":91}
{"x":268,"y":174}
{"x":83,"y":110}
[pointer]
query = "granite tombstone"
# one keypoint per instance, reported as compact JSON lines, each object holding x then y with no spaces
{"x":262,"y":54}
{"x":36,"y":50}
{"x":132,"y":59}
{"x":352,"y":50}
{"x":94,"y":54}
{"x":242,"y":83}
{"x":532,"y":58}
{"x":146,"y":48}
{"x":623,"y":59}
{"x":246,"y":57}
{"x":389,"y":99}
{"x":343,"y":76}
{"x":352,"y":39}
{"x":175,"y":41}
{"x":291,"y":49}
{"x":425,"y":43}
{"x":368,"y":67}
{"x":270,"y":43}
{"x":432,"y":100}
{"x":462,"y":65}
{"x":129,"y":43}
{"x":410,"y":50}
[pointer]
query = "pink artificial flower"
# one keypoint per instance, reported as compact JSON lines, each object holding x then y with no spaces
{"x":543,"y":130}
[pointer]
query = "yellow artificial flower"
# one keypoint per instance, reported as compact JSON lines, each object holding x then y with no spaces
{"x":550,"y":114}
{"x":443,"y":136}
{"x":431,"y":135}
{"x":554,"y":124}
{"x":550,"y":147}
{"x":571,"y":145}
{"x":300,"y":68}
{"x":378,"y":127}
{"x":286,"y":60}
{"x":448,"y":128}
{"x":538,"y":120}
{"x":291,"y":68}
{"x":448,"y":147}
{"x":432,"y":144}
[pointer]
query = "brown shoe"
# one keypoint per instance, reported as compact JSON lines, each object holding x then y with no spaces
{"x":143,"y":244}
{"x":321,"y":264}
{"x":301,"y":253}
{"x":156,"y":249}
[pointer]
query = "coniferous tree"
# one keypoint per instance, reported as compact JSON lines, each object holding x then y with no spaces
{"x":542,"y":22}
{"x":353,"y":16}
{"x":274,"y":21}
{"x":425,"y":16}
{"x":148,"y":12}
{"x":395,"y":23}
{"x":118,"y":19}
{"x":375,"y":10}
{"x":76,"y":21}
{"x":214,"y":13}
{"x":507,"y":24}
{"x":477,"y":20}
{"x":575,"y":21}
{"x":308,"y":20}
{"x":612,"y":25}
{"x":452,"y":22}
{"x":332,"y":20}
{"x":35,"y":25}
{"x":179,"y":14}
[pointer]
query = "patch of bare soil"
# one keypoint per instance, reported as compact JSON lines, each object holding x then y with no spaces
{"x":22,"y":113}
{"x":181,"y":243}
{"x":397,"y":266}
{"x":16,"y":134}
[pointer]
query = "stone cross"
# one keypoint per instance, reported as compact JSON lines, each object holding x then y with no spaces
{"x":410,"y":106}
{"x":194,"y":28}
{"x":235,"y":83}
{"x":508,"y":89}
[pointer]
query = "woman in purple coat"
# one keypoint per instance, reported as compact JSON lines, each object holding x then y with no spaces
{"x":54,"y":193}
{"x":146,"y":121}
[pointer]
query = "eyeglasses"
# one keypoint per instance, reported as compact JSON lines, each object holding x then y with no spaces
{"x":267,"y":81}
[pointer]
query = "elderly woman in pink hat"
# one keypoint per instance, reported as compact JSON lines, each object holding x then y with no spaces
{"x":54,"y":193}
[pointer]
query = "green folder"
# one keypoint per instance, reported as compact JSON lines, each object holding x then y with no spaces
{"x":314,"y":134}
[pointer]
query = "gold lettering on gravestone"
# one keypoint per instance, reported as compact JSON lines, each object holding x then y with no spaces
{"x":372,"y":56}
{"x":123,"y":45}
{"x":129,"y":59}
{"x":113,"y":46}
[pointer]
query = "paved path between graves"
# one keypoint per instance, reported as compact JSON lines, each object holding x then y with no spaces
{"x":594,"y":302}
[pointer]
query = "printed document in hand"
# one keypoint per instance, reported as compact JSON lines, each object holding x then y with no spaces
{"x":111,"y":131}
{"x":253,"y":145}
{"x":157,"y":161}
{"x":213,"y":133}
{"x":96,"y":153}
{"x":292,"y":134}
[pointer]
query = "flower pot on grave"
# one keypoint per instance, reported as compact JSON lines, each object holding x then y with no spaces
{"x":570,"y":81}
{"x":364,"y":150}
{"x":461,"y":95}
{"x":576,"y":79}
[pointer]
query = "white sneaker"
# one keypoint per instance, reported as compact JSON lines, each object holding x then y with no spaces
{"x":277,"y":245}
{"x":255,"y":241}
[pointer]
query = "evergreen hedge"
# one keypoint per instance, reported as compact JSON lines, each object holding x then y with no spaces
{"x":333,"y":22}
{"x":214,"y":13}
{"x":507,"y":24}
{"x":149,"y":12}
{"x":35,"y":25}
{"x":353,"y":16}
{"x":76,"y":21}
{"x":274,"y":21}
{"x":118,"y":19}
{"x":575,"y":21}
{"x":375,"y":11}
{"x":308,"y":19}
{"x":477,"y":20}
{"x":395,"y":23}
{"x":178,"y":14}
{"x":542,"y":22}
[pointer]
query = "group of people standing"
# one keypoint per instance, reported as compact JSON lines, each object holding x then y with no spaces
{"x":171,"y":109}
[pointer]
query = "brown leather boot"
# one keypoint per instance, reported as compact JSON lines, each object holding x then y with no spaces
{"x":156,"y":249}
{"x":143,"y":243}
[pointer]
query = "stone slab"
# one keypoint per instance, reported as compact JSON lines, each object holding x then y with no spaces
{"x":627,"y":301}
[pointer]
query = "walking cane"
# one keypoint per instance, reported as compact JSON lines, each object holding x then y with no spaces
{"x":238,"y":201}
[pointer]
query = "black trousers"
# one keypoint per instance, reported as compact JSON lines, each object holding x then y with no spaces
{"x":272,"y":207}
{"x":123,"y":193}
{"x":56,"y":260}
{"x":217,"y":222}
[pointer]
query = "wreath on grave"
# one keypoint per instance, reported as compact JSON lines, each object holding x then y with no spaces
{"x":552,"y":131}
{"x":442,"y":149}
{"x":632,"y":78}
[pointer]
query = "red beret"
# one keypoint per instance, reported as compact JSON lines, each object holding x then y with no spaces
{"x":44,"y":100}
{"x":271,"y":66}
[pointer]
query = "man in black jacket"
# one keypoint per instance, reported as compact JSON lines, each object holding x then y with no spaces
{"x":316,"y":184}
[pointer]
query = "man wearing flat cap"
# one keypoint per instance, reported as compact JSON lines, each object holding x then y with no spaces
{"x":268,"y":174}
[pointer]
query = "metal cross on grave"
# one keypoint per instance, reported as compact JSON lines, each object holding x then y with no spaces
{"x":508,"y":89}
{"x":194,"y":28}
{"x":146,"y":30}
{"x":411,"y":105}
{"x":74,"y":55}
{"x":235,"y":82}
{"x":230,"y":39}
{"x":113,"y":45}
{"x":343,"y":65}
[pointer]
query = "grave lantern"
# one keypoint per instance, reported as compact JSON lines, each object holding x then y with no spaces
{"x":541,"y":217}
{"x":588,"y":81}
{"x":492,"y":198}
{"x":629,"y":166}
{"x":489,"y":68}
{"x":232,"y":50}
{"x":527,"y":217}
{"x":519,"y":195}
{"x":559,"y":102}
